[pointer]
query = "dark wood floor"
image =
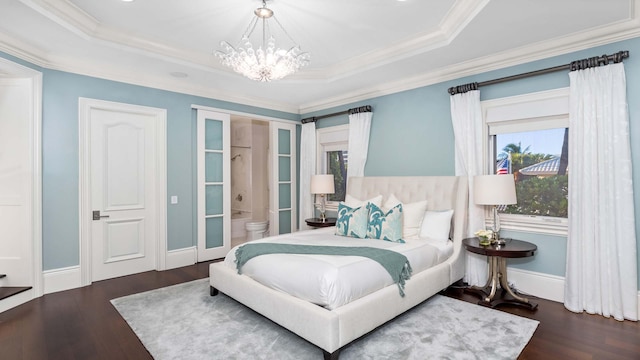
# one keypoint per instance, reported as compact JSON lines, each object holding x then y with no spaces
{"x":82,"y":324}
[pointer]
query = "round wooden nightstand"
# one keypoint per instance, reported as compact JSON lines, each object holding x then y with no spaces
{"x":318,"y":223}
{"x":498,"y":255}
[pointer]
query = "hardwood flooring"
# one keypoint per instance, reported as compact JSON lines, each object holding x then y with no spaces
{"x":82,"y":324}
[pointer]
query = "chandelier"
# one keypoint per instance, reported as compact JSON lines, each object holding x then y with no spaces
{"x":267,"y":62}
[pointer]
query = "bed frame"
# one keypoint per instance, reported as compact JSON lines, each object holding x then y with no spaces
{"x":333,"y":329}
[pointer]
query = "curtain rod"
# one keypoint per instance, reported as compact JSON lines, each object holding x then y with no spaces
{"x":366,"y":108}
{"x":574,"y":65}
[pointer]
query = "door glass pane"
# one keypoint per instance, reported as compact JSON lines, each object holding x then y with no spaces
{"x":213,"y":135}
{"x":285,"y":221}
{"x":284,"y":168}
{"x":284,"y":142}
{"x":215,"y":232}
{"x":213,"y":167}
{"x":213,"y":199}
{"x":285,"y":196}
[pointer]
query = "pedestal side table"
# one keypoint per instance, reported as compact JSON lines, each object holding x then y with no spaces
{"x":498,"y":255}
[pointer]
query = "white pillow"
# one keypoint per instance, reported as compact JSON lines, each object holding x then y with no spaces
{"x":436,"y":225}
{"x":352,"y":202}
{"x":412,"y":215}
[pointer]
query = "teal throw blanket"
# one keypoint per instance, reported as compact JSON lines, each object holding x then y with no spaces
{"x":396,"y":264}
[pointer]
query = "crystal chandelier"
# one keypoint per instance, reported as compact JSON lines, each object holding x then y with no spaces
{"x":268,"y":62}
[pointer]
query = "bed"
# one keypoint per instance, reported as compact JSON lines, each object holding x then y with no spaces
{"x":332,"y":326}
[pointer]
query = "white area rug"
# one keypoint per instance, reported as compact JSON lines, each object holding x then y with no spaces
{"x":184,"y":322}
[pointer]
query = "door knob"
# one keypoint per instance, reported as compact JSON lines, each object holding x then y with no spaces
{"x":97,"y":216}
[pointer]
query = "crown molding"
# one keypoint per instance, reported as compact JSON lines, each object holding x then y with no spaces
{"x":458,"y":17}
{"x":22,"y":50}
{"x":34,"y":56}
{"x":74,"y":19}
{"x":623,"y":30}
{"x":114,"y":74}
{"x":67,"y":15}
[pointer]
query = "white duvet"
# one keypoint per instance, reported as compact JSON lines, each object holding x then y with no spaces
{"x":329,"y":280}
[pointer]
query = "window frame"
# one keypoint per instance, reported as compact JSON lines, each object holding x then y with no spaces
{"x":332,"y":138}
{"x":527,"y":112}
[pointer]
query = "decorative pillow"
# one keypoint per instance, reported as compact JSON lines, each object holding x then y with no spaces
{"x":352,"y":221}
{"x":354,"y":202}
{"x":385,"y":226}
{"x":436,"y":225}
{"x":412,"y":215}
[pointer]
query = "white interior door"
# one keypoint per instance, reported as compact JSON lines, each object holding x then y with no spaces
{"x":214,"y":184}
{"x":283,"y":212}
{"x":124,"y":234}
{"x":16,"y":235}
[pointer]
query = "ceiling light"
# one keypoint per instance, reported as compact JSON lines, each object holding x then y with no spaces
{"x":267,"y":62}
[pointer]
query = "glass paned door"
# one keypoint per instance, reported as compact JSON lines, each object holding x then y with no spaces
{"x":283,"y":183}
{"x":214,"y":185}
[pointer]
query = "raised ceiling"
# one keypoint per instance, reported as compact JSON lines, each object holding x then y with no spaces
{"x":359,"y":48}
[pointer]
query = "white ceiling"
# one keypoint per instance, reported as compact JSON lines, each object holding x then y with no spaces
{"x":359,"y":48}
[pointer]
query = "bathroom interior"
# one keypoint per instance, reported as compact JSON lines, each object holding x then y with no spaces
{"x":249,"y":179}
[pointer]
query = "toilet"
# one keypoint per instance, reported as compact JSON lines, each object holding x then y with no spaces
{"x":256,"y":229}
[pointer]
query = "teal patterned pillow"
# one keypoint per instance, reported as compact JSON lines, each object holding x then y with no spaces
{"x":385,"y":226}
{"x":352,"y":221}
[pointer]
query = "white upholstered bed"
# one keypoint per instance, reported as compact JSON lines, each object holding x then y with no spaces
{"x":331,"y":329}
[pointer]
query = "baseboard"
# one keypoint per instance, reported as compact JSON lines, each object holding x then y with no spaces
{"x":545,"y":286}
{"x":70,"y":277}
{"x":62,"y":279}
{"x":15,"y":300}
{"x":181,"y":257}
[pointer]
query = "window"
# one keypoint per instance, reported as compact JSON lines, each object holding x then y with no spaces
{"x":527,"y":136}
{"x":337,"y":165}
{"x":333,"y":159}
{"x":540,"y":170}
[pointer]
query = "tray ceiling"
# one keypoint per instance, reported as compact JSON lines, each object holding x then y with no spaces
{"x":359,"y":48}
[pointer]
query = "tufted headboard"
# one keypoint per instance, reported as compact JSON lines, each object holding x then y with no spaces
{"x":441,"y":193}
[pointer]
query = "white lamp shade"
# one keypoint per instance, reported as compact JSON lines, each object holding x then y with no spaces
{"x":322,"y":184}
{"x":494,"y":190}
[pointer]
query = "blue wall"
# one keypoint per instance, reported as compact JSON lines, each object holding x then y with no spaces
{"x":60,"y":157}
{"x":411,"y":133}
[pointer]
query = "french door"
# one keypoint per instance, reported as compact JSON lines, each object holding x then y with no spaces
{"x":282,"y":203}
{"x":214,"y":184}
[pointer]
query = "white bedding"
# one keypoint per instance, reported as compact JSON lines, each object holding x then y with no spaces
{"x":332,"y":281}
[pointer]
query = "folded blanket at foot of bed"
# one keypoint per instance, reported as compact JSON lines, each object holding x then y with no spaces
{"x":396,"y":264}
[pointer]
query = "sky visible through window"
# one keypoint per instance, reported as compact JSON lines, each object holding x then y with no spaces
{"x":539,"y":142}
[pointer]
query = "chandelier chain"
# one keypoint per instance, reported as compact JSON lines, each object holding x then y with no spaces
{"x":283,"y":29}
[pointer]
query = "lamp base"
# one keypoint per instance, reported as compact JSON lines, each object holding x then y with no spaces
{"x":323,"y":215}
{"x":496,"y":240}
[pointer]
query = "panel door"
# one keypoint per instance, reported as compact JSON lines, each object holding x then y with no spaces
{"x":283,"y":212}
{"x":123,"y":154}
{"x":16,"y":236}
{"x":214,"y":185}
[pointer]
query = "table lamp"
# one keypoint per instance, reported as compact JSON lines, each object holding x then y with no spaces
{"x":495,"y":190}
{"x":322,"y":185}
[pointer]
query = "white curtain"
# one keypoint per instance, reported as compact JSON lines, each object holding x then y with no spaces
{"x":466,"y":115}
{"x":307,"y":169}
{"x":601,"y":276}
{"x":359,"y":129}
